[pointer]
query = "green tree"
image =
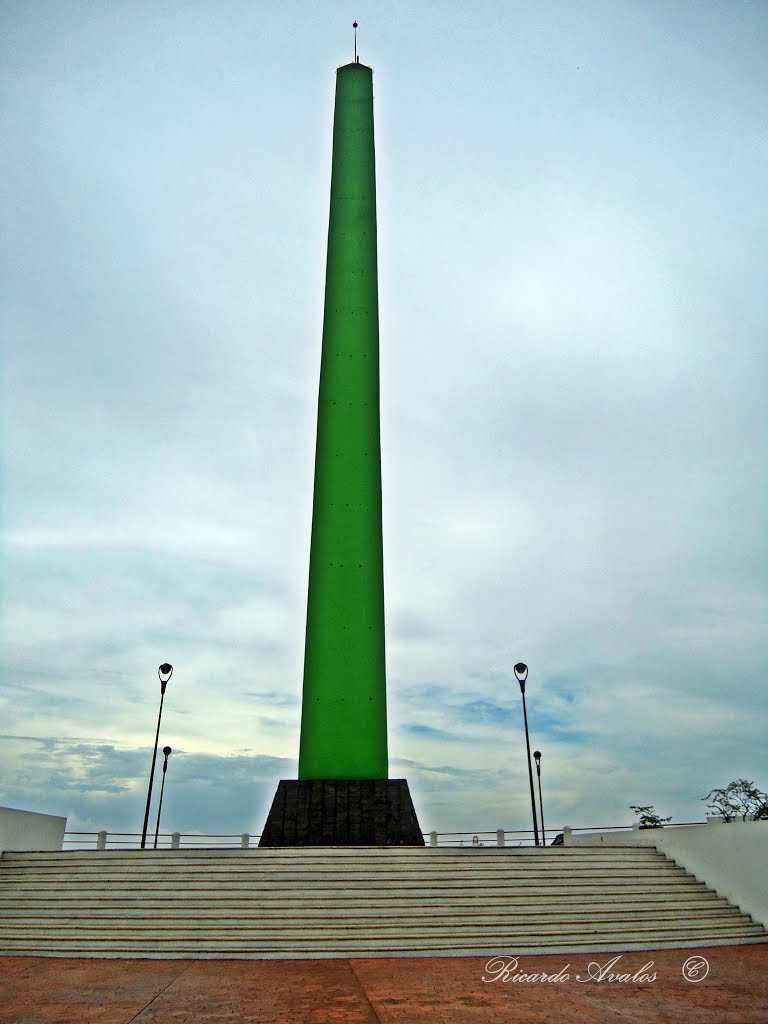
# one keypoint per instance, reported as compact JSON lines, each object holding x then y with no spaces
{"x":739,"y":798}
{"x":648,"y":817}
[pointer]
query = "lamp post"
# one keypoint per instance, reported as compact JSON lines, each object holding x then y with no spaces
{"x":164,"y":674}
{"x":521,"y":673}
{"x":166,"y":754}
{"x":537,"y":759}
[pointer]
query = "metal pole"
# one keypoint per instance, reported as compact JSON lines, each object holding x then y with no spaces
{"x":530,"y":770}
{"x":162,"y":789}
{"x":152,"y":773}
{"x":537,"y":758}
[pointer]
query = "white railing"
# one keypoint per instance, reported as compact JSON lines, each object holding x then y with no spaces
{"x":586,"y":829}
{"x":165,"y":840}
{"x":498,"y":837}
{"x":190,"y":840}
{"x":177,"y":840}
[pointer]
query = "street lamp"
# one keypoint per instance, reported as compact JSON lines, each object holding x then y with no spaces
{"x":537,"y":759}
{"x":521,"y":674}
{"x":164,"y":674}
{"x":166,"y":754}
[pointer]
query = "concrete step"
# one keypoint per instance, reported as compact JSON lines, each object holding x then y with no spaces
{"x":170,"y":931}
{"x":506,"y":860}
{"x":319,"y":908}
{"x":502,"y":867}
{"x":356,"y":902}
{"x":464,"y":944}
{"x":310,"y":879}
{"x":371,"y":911}
{"x":355,"y":853}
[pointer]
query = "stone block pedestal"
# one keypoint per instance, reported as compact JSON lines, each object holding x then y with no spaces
{"x":342,"y":812}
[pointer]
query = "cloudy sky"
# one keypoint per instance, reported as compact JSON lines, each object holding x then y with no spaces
{"x":573,"y":263}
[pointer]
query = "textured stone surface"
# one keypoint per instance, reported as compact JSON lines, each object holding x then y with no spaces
{"x":342,"y":812}
{"x":446,"y":990}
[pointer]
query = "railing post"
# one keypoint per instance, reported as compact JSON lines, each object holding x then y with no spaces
{"x":433,"y":838}
{"x":101,"y":841}
{"x":245,"y":841}
{"x":175,"y":840}
{"x":500,"y":837}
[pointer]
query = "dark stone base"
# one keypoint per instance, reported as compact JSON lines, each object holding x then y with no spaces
{"x":342,"y":812}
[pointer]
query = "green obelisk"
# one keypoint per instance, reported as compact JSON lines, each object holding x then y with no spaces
{"x":343,"y":795}
{"x":344,"y":723}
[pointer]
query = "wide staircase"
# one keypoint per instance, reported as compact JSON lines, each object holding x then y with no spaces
{"x":357,"y":902}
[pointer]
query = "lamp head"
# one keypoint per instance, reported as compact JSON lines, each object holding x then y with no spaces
{"x":167,"y":752}
{"x":521,"y":673}
{"x":164,"y":673}
{"x":536,"y":755}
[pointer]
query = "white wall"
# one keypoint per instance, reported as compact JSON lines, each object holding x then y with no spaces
{"x":26,"y":830}
{"x":731,"y":857}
